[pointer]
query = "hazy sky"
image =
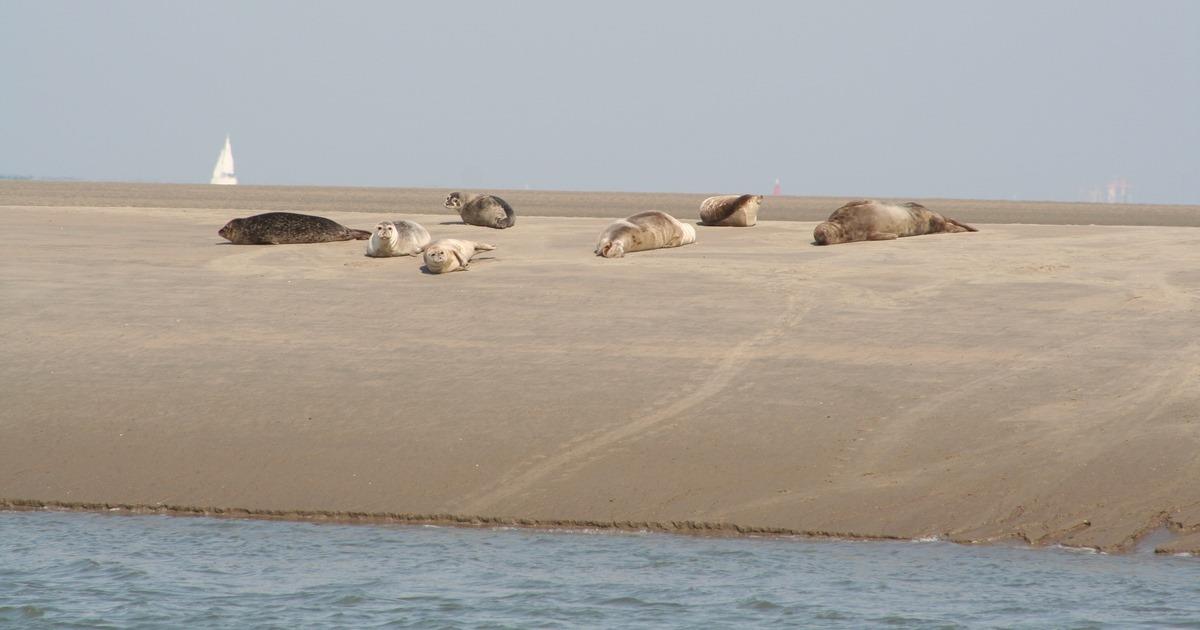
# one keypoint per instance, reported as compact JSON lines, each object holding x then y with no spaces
{"x":1026,"y":100}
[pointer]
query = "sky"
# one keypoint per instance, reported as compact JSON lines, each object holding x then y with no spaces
{"x":1037,"y":100}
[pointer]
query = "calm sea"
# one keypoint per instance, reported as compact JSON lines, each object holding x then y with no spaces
{"x":96,"y":570}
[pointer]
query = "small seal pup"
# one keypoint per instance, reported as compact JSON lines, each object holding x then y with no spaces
{"x":730,"y":210}
{"x":285,"y":228}
{"x":871,"y":220}
{"x":646,"y":230}
{"x":485,"y":210}
{"x":451,"y":254}
{"x":397,"y":238}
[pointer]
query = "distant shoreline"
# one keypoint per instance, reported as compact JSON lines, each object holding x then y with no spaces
{"x":549,"y":203}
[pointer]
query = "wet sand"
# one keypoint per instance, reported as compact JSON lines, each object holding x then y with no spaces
{"x":1028,"y":382}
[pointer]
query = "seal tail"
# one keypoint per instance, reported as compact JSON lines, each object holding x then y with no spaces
{"x":962,"y":225}
{"x":360,"y":235}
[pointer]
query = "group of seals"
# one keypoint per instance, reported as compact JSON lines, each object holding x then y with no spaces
{"x":483,"y":210}
{"x":409,"y":238}
{"x":390,"y":238}
{"x":870,"y":220}
{"x":286,"y":228}
{"x":865,"y":220}
{"x":656,"y":230}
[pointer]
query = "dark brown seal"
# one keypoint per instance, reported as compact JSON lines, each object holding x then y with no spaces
{"x":483,"y":210}
{"x":871,"y":220}
{"x":730,"y":210}
{"x":285,"y":228}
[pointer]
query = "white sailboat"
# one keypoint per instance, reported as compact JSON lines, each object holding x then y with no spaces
{"x":223,"y":171}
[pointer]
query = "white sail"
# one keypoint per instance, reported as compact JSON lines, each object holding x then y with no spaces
{"x":223,"y":171}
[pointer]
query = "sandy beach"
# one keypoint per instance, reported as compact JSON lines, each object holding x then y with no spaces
{"x":1037,"y":383}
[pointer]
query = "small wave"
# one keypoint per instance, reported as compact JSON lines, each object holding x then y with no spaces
{"x":1080,"y":550}
{"x":21,"y":612}
{"x":758,"y":604}
{"x":629,"y":601}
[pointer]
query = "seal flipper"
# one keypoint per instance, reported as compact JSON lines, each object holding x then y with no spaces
{"x":510,"y":217}
{"x":882,"y":236}
{"x":462,"y":264}
{"x":359,"y":235}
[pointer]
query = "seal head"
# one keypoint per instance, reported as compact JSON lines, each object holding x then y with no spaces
{"x":828,"y":233}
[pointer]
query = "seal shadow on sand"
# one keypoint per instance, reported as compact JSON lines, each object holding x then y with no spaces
{"x":701,"y":223}
{"x":297,"y":260}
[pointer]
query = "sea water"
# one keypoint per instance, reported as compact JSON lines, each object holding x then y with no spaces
{"x":96,"y":570}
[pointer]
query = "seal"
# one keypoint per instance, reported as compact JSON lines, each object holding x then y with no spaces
{"x":452,"y":254}
{"x":484,"y":210}
{"x":646,"y":230}
{"x":730,"y":210}
{"x":397,"y":238}
{"x":285,"y":228}
{"x":871,"y":220}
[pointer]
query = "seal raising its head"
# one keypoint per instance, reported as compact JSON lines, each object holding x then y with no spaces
{"x":397,"y":238}
{"x":647,"y":230}
{"x":730,"y":210}
{"x":452,"y":254}
{"x":876,"y":221}
{"x":485,"y":210}
{"x":285,"y":228}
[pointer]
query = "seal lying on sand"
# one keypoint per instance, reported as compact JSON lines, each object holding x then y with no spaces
{"x":285,"y":228}
{"x":451,"y":254}
{"x":486,"y":210}
{"x":397,"y":238}
{"x":875,"y":221}
{"x":730,"y":210}
{"x":646,"y":230}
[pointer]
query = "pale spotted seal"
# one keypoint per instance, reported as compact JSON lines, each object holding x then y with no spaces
{"x":646,"y":230}
{"x":485,"y":210}
{"x":730,"y":210}
{"x":285,"y":228}
{"x":871,"y":220}
{"x":397,"y":238}
{"x":452,"y":254}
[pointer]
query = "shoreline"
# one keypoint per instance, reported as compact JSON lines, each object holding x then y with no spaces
{"x":674,"y":528}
